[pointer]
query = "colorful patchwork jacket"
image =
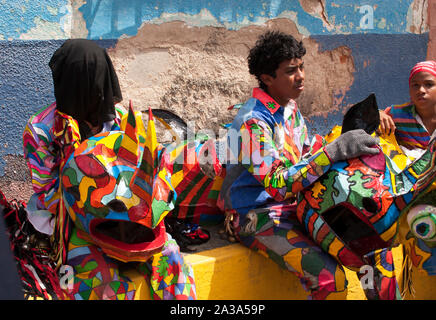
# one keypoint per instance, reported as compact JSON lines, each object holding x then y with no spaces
{"x":43,"y":138}
{"x":270,"y":159}
{"x":409,"y":132}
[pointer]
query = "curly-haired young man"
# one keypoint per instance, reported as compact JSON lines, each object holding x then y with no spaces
{"x":273,"y":161}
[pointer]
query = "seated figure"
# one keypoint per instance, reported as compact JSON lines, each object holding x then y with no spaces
{"x":270,"y":161}
{"x":71,"y":192}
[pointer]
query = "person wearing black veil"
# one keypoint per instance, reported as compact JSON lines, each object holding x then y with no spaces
{"x":87,"y":103}
{"x":86,"y":89}
{"x":85,"y":84}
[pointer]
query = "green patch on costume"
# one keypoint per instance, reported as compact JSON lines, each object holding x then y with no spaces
{"x":276,"y":258}
{"x":312,"y":262}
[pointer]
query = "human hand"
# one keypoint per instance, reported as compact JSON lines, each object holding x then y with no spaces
{"x":352,"y":144}
{"x":387,"y":124}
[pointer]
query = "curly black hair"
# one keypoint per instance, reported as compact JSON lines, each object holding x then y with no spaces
{"x":271,"y":49}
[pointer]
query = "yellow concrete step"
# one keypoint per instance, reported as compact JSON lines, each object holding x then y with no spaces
{"x":236,"y":272}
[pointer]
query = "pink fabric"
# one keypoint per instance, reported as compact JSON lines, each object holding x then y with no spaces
{"x":424,"y":66}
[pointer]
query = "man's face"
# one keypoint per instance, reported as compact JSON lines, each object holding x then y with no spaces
{"x":288,"y":83}
{"x":422,"y":91}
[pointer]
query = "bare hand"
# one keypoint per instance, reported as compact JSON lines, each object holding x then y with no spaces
{"x":387,"y":124}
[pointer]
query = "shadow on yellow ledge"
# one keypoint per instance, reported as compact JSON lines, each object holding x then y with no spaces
{"x":234,"y":272}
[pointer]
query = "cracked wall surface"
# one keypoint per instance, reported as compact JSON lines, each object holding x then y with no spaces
{"x":431,"y":53}
{"x":190,"y":56}
{"x":417,"y":17}
{"x":198,"y":72}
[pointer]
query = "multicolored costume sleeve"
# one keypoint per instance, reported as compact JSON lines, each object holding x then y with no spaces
{"x":282,"y":176}
{"x":43,"y":137}
{"x":409,"y":131}
{"x":270,"y":161}
{"x":41,"y":155}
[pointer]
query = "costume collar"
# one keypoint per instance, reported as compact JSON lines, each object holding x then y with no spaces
{"x":413,"y":110}
{"x":269,"y":103}
{"x":66,"y":129}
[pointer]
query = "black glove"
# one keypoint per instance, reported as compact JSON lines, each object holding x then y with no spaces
{"x":352,"y":144}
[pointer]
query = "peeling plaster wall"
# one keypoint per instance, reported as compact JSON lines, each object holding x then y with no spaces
{"x":431,"y":52}
{"x":49,"y":19}
{"x":199,"y":71}
{"x":313,"y":17}
{"x":189,"y":56}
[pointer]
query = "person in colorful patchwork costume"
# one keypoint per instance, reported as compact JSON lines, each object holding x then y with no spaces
{"x":87,"y":104}
{"x":86,"y":89}
{"x":270,"y":161}
{"x":116,"y":190}
{"x":414,"y":122}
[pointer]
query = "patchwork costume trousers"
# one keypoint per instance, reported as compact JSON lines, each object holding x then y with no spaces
{"x":275,"y":232}
{"x":97,"y":276}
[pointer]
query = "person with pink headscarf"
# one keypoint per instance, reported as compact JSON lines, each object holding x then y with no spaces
{"x":414,"y":122}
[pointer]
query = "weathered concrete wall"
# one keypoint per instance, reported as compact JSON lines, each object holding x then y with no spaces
{"x":431,"y":53}
{"x":189,"y":56}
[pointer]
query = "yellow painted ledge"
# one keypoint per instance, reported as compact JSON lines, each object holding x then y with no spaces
{"x":235,"y":272}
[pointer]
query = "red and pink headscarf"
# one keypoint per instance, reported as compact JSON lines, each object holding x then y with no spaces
{"x":425,"y":66}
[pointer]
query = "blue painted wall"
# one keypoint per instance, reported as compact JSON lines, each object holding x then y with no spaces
{"x":382,"y":62}
{"x":18,"y":17}
{"x":127,"y":16}
{"x":30,"y":31}
{"x":25,"y":87}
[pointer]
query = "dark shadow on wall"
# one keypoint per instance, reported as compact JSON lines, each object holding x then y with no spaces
{"x":10,"y":284}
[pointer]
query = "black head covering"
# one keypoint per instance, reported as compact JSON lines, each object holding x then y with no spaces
{"x":85,"y":83}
